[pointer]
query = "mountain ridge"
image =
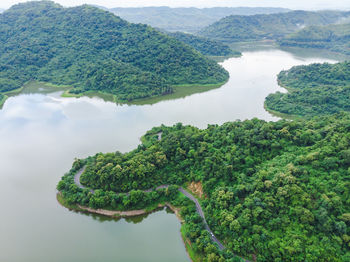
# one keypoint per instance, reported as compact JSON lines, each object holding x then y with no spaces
{"x":268,"y":27}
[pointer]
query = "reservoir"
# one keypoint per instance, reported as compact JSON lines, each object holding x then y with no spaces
{"x":41,"y":134}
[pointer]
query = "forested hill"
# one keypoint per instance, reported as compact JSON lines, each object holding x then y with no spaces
{"x":275,"y":191}
{"x":186,"y":19}
{"x":317,"y":89}
{"x":331,"y":37}
{"x":272,"y":26}
{"x":91,"y":49}
{"x":204,"y":45}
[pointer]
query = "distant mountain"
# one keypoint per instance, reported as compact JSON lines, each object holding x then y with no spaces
{"x":331,"y":37}
{"x":93,"y":50}
{"x":186,"y":19}
{"x":274,"y":26}
{"x":204,"y":45}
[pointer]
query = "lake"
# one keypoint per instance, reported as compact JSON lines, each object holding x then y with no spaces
{"x":41,"y":134}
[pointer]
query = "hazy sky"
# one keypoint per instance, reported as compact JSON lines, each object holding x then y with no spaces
{"x":293,"y":4}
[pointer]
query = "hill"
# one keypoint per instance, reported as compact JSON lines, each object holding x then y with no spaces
{"x":335,"y":38}
{"x":93,"y":50}
{"x":186,"y":19}
{"x":204,"y":45}
{"x":268,"y":27}
{"x":271,"y":191}
{"x":317,"y":89}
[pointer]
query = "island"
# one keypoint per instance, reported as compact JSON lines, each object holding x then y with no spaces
{"x":86,"y":49}
{"x":269,"y":191}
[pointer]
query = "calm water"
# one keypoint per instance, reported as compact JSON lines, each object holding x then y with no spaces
{"x":41,"y":134}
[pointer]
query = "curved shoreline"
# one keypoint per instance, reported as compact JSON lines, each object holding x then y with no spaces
{"x":129,"y":213}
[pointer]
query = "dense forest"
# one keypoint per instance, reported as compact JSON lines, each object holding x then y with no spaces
{"x":316,"y":89}
{"x":274,"y":191}
{"x":91,"y":49}
{"x":204,"y":45}
{"x":268,"y":27}
{"x":331,"y":37}
{"x":186,"y":19}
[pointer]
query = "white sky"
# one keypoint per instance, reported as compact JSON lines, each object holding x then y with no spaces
{"x":293,"y":4}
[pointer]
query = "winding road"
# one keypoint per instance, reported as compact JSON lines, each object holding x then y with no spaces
{"x":181,"y":189}
{"x":77,"y":179}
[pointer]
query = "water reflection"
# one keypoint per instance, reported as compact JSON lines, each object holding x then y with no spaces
{"x":133,"y":220}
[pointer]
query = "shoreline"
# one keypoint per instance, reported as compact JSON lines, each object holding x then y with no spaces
{"x":133,"y":213}
{"x":180,"y":91}
{"x":118,"y":213}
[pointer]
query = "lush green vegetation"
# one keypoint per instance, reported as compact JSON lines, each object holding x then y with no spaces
{"x":331,"y":37}
{"x":91,"y":49}
{"x":186,"y":19}
{"x":316,"y":89}
{"x":277,"y":191}
{"x":204,"y":45}
{"x":2,"y":99}
{"x":272,"y":26}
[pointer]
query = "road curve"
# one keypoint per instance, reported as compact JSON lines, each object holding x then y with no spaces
{"x":181,"y":189}
{"x":201,"y":213}
{"x":77,"y":179}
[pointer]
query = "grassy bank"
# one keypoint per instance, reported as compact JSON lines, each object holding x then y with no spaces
{"x":180,"y":91}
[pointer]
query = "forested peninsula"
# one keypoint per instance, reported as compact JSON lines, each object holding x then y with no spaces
{"x":260,"y":27}
{"x":317,"y":89}
{"x":89,"y":49}
{"x":270,"y":191}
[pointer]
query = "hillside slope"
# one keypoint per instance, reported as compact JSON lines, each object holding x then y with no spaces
{"x":313,"y":90}
{"x":91,"y":49}
{"x":331,"y":37}
{"x":272,"y":26}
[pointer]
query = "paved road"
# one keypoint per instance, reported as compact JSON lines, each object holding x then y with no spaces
{"x":182,"y":190}
{"x":77,"y":179}
{"x":201,"y":213}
